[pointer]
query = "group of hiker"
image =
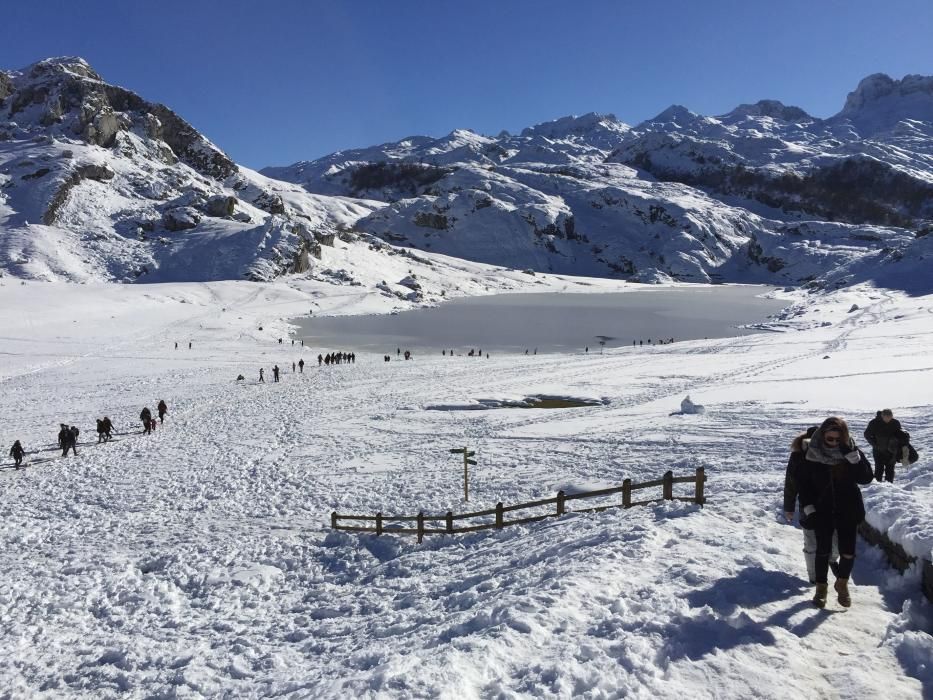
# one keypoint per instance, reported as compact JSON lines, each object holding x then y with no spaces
{"x":68,"y":434}
{"x":331,"y":358}
{"x":823,"y":476}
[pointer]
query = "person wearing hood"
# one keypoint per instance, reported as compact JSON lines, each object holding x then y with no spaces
{"x":831,"y":501}
{"x":887,"y":439}
{"x":792,"y":477}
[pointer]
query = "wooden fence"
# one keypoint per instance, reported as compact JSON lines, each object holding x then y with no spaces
{"x":390,"y":523}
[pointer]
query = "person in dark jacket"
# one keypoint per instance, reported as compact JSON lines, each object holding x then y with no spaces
{"x":100,"y":431}
{"x":301,"y":366}
{"x":887,"y":439}
{"x":107,"y":424}
{"x":146,"y":417}
{"x":68,"y":437}
{"x":162,"y":409}
{"x":792,"y":477}
{"x":17,"y":452}
{"x":831,"y":501}
{"x":62,"y":435}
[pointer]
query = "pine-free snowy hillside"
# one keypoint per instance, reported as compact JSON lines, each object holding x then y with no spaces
{"x":96,"y":183}
{"x":763,"y":193}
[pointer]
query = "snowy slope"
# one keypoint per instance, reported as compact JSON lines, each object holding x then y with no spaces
{"x":98,"y":184}
{"x":198,"y":561}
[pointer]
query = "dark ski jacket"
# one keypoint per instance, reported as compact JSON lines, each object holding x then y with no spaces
{"x":145,"y":415}
{"x":17,"y":451}
{"x":833,"y":490}
{"x":885,"y":437}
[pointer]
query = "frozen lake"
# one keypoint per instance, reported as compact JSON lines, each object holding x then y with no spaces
{"x":549,"y":322}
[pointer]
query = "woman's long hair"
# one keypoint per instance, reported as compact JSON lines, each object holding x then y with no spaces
{"x":838,"y":424}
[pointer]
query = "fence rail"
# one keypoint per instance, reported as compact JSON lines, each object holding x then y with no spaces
{"x":383,"y":524}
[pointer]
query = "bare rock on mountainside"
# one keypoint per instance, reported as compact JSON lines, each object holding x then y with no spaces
{"x":68,"y":94}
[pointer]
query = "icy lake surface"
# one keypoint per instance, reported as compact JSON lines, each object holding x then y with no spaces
{"x":550,"y":322}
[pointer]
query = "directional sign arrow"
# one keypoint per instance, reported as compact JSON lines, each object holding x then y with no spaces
{"x":470,"y":454}
{"x":471,"y":461}
{"x":461,"y":450}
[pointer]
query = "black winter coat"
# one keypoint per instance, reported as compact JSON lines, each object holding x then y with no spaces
{"x":833,"y":490}
{"x":791,"y":481}
{"x":880,"y":434}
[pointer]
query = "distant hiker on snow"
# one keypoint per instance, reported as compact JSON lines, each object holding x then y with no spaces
{"x":62,"y":435}
{"x":162,"y":409}
{"x":831,"y":501}
{"x":792,"y":477}
{"x":70,"y":441}
{"x":262,"y":377}
{"x":146,"y":417}
{"x":293,"y":367}
{"x":107,"y":425}
{"x":17,"y":452}
{"x":275,"y":373}
{"x":889,"y":444}
{"x":301,"y":366}
{"x":100,"y":431}
{"x":320,"y":359}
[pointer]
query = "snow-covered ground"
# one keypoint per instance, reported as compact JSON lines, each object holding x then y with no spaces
{"x":198,"y":560}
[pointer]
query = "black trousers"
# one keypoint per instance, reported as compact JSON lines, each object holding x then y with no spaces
{"x":846,"y":535}
{"x":884,"y":465}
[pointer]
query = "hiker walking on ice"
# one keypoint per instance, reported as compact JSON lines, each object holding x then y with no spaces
{"x":888,"y":441}
{"x":301,"y":366}
{"x":107,"y":425}
{"x":792,"y":477}
{"x":146,"y":417}
{"x":17,"y":452}
{"x":275,"y":373}
{"x":831,"y":501}
{"x":261,"y":375}
{"x":162,"y":409}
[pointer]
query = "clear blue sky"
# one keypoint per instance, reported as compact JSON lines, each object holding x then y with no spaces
{"x":276,"y":81}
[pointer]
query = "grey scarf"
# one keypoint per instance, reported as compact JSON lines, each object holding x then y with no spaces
{"x":819,"y":451}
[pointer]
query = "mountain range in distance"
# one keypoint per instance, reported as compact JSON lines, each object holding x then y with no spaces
{"x":97,"y":183}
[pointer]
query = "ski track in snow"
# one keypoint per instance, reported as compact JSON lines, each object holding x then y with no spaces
{"x":199,"y":561}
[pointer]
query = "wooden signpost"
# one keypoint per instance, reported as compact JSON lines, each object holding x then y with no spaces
{"x":466,"y":469}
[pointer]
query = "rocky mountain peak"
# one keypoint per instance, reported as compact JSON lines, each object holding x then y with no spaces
{"x":774,"y":109}
{"x":66,"y":98}
{"x":879,"y":102}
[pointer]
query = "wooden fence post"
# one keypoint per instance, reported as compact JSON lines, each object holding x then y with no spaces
{"x":668,"y":486}
{"x":450,"y":521}
{"x":420,"y":527}
{"x":560,"y":503}
{"x":499,"y":520}
{"x":378,"y":524}
{"x":701,"y":479}
{"x":333,"y":520}
{"x":627,"y":493}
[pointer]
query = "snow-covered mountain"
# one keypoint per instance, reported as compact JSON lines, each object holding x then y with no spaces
{"x":96,"y":183}
{"x":763,"y":193}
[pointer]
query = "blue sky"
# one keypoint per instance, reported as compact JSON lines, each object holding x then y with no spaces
{"x":283,"y":80}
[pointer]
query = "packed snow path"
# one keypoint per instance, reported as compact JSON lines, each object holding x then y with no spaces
{"x":198,"y":560}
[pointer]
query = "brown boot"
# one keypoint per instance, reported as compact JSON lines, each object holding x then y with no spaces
{"x":842,"y":591}
{"x":819,"y":595}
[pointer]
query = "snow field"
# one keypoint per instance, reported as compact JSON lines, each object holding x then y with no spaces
{"x":198,"y":561}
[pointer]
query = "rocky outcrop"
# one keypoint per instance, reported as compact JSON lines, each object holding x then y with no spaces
{"x":68,"y":93}
{"x":270,"y":202}
{"x":181,"y":218}
{"x":220,"y":205}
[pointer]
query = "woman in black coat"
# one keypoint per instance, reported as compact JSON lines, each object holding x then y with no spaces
{"x":831,"y":501}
